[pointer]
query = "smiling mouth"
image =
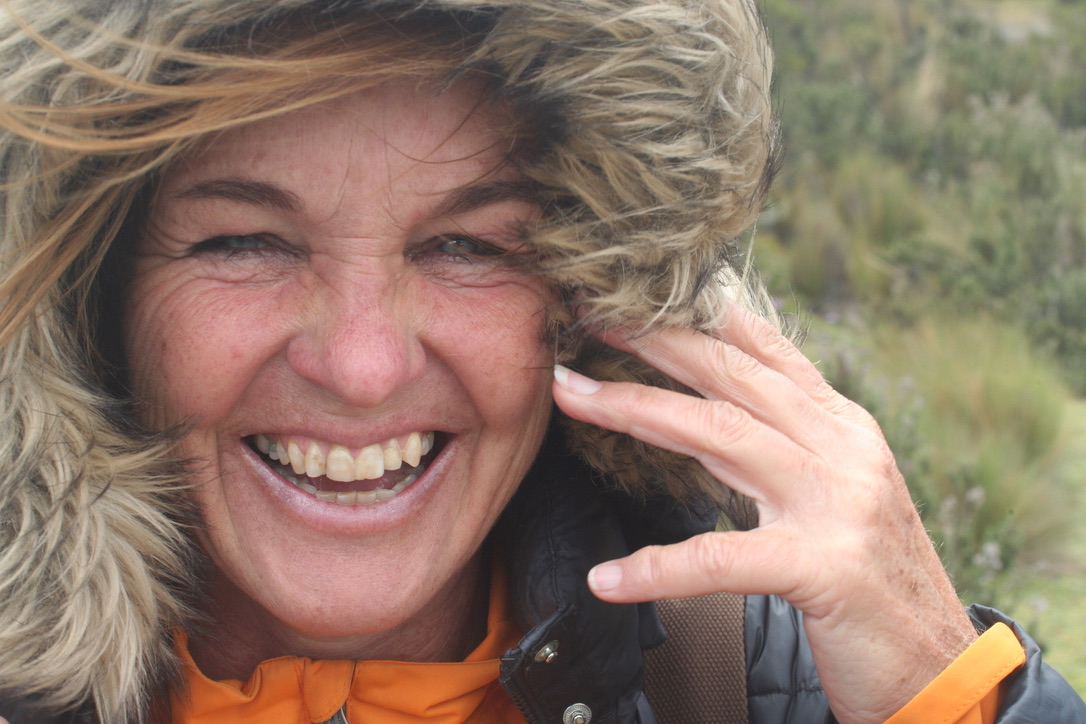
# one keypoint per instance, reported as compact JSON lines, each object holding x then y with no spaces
{"x":335,"y":474}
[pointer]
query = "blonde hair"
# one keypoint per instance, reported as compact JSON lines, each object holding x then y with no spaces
{"x":655,"y":141}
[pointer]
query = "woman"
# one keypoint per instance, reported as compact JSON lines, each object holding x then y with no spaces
{"x":287,"y":282}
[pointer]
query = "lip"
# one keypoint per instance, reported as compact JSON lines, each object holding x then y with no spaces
{"x":300,"y":507}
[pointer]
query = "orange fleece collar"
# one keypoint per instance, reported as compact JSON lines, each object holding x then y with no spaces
{"x":299,"y":690}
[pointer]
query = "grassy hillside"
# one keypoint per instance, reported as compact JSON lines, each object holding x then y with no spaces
{"x":929,"y":227}
{"x":1053,"y":608}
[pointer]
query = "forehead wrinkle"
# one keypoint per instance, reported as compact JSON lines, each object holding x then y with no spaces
{"x":479,"y":190}
{"x":345,"y":178}
{"x":429,"y":153}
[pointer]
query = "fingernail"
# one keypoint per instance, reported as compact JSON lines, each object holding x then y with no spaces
{"x":605,"y":577}
{"x":575,"y":382}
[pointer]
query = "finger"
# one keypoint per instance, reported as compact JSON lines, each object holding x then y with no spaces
{"x":746,"y":563}
{"x":745,"y":344}
{"x":765,"y":342}
{"x":720,"y":371}
{"x":713,"y":369}
{"x":736,"y":448}
{"x":750,"y":335}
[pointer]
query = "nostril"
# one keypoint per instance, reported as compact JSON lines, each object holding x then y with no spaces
{"x":363,"y":365}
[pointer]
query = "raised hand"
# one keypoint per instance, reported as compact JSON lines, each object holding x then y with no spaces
{"x":839,"y":536}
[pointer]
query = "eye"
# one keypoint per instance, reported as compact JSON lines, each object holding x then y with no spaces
{"x":465,"y":246}
{"x":493,"y":256}
{"x":235,"y":244}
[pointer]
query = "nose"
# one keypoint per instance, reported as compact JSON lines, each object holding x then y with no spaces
{"x":360,"y":338}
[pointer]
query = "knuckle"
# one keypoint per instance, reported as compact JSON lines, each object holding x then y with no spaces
{"x":877,"y":457}
{"x":708,"y":555}
{"x":767,"y":337}
{"x":725,"y":423}
{"x":772,"y":341}
{"x":651,"y":569}
{"x":782,"y":354}
{"x":888,"y":464}
{"x":627,"y":394}
{"x":739,"y":364}
{"x":844,"y":408}
{"x":630,"y":398}
{"x":826,"y":394}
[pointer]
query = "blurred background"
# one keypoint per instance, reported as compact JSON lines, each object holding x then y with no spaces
{"x":928,"y":234}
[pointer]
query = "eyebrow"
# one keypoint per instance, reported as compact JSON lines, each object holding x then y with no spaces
{"x":256,"y":193}
{"x":469,"y":198}
{"x":460,"y":201}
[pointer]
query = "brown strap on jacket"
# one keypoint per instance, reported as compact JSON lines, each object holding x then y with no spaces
{"x":699,"y":675}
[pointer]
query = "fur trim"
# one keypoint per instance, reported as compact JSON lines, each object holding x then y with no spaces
{"x":661,"y":143}
{"x":93,"y":569}
{"x":668,"y":149}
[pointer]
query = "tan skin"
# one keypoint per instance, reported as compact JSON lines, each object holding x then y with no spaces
{"x":338,"y":311}
{"x":332,"y":277}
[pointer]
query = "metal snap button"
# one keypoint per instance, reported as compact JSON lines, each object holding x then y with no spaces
{"x":548,"y":653}
{"x":577,"y":714}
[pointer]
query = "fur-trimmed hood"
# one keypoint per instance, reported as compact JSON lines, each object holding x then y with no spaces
{"x":663,"y":141}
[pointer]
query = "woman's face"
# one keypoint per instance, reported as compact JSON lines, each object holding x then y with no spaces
{"x":328,"y":288}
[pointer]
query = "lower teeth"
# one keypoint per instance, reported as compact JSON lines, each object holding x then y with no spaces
{"x":360,"y":497}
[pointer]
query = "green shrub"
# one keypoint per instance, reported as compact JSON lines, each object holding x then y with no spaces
{"x":936,"y":171}
{"x":937,"y":165}
{"x":974,"y":415}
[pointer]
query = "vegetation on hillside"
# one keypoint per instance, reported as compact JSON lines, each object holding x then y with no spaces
{"x":929,"y":227}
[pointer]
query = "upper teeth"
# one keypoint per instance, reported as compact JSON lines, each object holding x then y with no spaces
{"x":309,"y":457}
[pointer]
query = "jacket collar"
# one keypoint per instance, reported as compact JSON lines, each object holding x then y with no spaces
{"x":580,"y":651}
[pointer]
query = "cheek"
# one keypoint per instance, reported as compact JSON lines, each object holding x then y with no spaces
{"x":189,"y":351}
{"x":497,"y":341}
